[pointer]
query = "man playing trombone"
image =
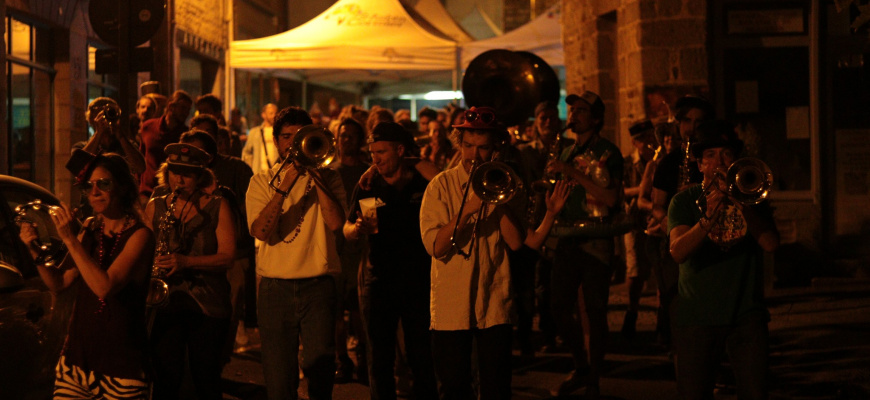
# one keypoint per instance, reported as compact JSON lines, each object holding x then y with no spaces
{"x":717,"y":239}
{"x":295,"y":214}
{"x":471,"y":282}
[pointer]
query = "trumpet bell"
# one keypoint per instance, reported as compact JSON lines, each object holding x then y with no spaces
{"x":749,"y":180}
{"x":495,"y":182}
{"x":49,"y":246}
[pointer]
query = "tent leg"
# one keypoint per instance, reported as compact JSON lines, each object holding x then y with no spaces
{"x":304,"y":101}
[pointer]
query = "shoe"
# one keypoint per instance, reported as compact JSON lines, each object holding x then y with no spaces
{"x":629,"y":325}
{"x":572,"y":383}
{"x":344,"y":370}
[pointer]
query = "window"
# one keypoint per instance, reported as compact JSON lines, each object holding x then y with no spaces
{"x":30,"y":102}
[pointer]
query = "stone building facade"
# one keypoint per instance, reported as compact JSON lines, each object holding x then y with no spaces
{"x":790,"y":74}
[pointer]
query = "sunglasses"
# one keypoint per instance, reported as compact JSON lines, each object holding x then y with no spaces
{"x":485,"y":116}
{"x":104,"y":184}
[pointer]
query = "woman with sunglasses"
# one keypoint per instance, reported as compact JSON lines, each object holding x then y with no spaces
{"x":104,"y":353}
{"x":195,"y":233}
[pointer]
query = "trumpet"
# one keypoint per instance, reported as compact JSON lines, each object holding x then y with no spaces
{"x":313,"y":147}
{"x":49,"y":247}
{"x":495,"y":183}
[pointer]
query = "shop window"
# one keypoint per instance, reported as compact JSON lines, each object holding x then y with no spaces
{"x":29,"y":96}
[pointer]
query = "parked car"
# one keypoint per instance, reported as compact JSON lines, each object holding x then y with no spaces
{"x":33,"y":321}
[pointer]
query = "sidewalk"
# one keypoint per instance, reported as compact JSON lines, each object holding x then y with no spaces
{"x":819,"y":349}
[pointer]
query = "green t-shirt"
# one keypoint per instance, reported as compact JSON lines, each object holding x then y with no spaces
{"x":717,"y":287}
{"x":595,"y":150}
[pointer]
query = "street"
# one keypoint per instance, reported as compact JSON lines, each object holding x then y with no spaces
{"x":818,"y":350}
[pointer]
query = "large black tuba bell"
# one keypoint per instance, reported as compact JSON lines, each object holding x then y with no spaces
{"x":511,"y":82}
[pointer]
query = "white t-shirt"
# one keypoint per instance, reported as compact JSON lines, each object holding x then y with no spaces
{"x":312,"y":253}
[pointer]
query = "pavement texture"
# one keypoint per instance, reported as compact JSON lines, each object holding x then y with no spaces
{"x":819,"y":349}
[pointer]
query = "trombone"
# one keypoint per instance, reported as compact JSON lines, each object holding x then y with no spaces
{"x":748,"y":180}
{"x":313,"y":147}
{"x":495,"y":183}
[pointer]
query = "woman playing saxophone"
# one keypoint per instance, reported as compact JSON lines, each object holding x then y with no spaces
{"x":200,"y":245}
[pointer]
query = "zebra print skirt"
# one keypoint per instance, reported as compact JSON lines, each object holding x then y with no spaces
{"x":73,"y":382}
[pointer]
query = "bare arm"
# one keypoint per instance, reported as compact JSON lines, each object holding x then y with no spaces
{"x":57,"y":279}
{"x":267,"y":219}
{"x":555,"y":201}
{"x":510,"y":227}
{"x":222,"y":259}
{"x":330,"y":206}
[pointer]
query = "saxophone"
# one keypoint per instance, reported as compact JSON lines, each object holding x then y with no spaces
{"x":158,"y":289}
{"x":685,"y":170}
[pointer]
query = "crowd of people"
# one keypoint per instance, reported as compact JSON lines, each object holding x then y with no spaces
{"x":195,"y":234}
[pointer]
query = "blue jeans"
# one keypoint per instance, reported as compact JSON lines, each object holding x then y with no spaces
{"x":290,"y":309}
{"x":699,"y":351}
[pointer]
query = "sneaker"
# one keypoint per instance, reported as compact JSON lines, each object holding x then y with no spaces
{"x":629,"y":325}
{"x":572,"y":383}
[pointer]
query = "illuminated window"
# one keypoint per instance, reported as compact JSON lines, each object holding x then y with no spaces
{"x":29,"y":92}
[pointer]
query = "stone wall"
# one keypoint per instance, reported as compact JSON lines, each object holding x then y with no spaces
{"x":637,"y":58}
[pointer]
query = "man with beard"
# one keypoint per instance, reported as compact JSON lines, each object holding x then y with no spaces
{"x":595,"y":165}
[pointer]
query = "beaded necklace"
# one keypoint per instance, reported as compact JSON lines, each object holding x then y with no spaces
{"x":302,"y":201}
{"x":101,"y":250}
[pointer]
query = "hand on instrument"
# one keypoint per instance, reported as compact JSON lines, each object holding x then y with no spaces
{"x":102,"y":126}
{"x":291,"y":173}
{"x":472,"y":205}
{"x":171,"y":262}
{"x":62,"y":218}
{"x":27,"y":233}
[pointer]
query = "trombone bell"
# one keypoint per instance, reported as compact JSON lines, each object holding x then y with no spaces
{"x":749,"y":180}
{"x":495,"y":182}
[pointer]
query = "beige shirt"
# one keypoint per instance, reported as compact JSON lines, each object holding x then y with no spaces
{"x":465,"y":294}
{"x":312,"y":253}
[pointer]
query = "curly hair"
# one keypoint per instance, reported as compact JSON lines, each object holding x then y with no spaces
{"x":126,"y":187}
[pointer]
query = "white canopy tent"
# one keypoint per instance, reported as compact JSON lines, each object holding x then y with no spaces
{"x":355,"y":41}
{"x":437,"y":15}
{"x":541,"y":36}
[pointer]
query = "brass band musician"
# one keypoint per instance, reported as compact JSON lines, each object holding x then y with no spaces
{"x":595,"y":165}
{"x":471,"y":297}
{"x":717,"y":241}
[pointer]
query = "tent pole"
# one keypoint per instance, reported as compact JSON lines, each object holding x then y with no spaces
{"x":230,"y":80}
{"x":456,"y":68}
{"x":304,"y":101}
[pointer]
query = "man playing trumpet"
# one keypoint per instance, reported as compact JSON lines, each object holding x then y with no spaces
{"x":718,"y":242}
{"x":297,"y":261}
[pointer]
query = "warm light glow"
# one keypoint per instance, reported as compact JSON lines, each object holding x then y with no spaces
{"x":443,"y":95}
{"x":435,"y":95}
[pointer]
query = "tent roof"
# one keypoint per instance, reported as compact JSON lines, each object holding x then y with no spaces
{"x":435,"y":13}
{"x":362,"y":35}
{"x":480,"y":25}
{"x":541,"y":36}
